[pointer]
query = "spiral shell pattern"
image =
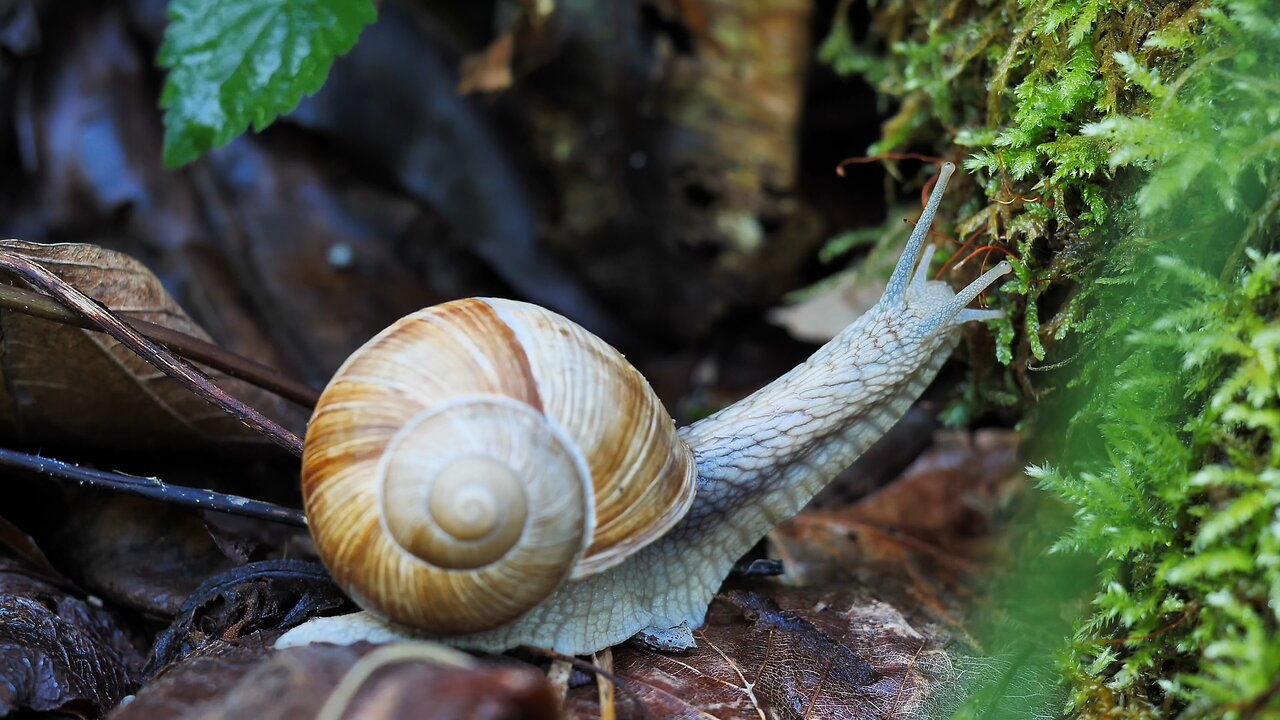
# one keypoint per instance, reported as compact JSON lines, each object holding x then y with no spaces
{"x":475,"y":455}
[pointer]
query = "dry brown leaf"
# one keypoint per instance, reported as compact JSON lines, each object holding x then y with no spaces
{"x":830,"y":307}
{"x":488,"y":71}
{"x":58,"y":653}
{"x":951,"y":494}
{"x":236,"y":680}
{"x":24,"y":547}
{"x":136,"y":553}
{"x":258,"y":598}
{"x":941,"y":510}
{"x":72,"y":386}
{"x":320,"y":256}
{"x":918,"y":540}
{"x":181,"y":691}
{"x":792,"y":654}
{"x":820,"y":317}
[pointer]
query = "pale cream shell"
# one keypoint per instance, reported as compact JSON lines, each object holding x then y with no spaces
{"x":607,"y":474}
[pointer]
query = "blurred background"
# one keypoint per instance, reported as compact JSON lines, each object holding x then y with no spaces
{"x":660,"y":171}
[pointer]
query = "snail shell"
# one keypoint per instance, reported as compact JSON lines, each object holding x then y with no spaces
{"x":473,"y":456}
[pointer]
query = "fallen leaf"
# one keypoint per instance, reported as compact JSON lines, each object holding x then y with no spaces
{"x":25,"y":548}
{"x":943,"y":505}
{"x":786,"y":653}
{"x":392,"y":103}
{"x":824,"y":313}
{"x":139,"y":554}
{"x":270,"y":596}
{"x":91,"y":149}
{"x":242,"y":679}
{"x":918,"y":539}
{"x":58,"y":653}
{"x":182,"y":690}
{"x":91,"y":139}
{"x":489,"y":70}
{"x":819,"y":312}
{"x":952,"y":493}
{"x":322,"y":258}
{"x":66,"y":385}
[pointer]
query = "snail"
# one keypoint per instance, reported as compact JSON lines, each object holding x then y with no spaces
{"x":489,"y":473}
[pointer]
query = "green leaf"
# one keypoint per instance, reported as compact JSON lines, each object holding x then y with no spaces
{"x":236,"y":62}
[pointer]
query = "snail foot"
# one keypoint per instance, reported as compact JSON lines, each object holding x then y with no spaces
{"x":344,"y":630}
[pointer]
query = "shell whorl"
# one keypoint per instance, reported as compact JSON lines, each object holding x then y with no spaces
{"x":473,"y":456}
{"x":456,"y":484}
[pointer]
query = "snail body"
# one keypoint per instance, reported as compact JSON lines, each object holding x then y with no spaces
{"x":645,"y":553}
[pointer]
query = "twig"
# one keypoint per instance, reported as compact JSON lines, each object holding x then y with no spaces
{"x":147,"y":349}
{"x":193,"y":348}
{"x":863,"y":159}
{"x":155,"y":489}
{"x":604,"y":687}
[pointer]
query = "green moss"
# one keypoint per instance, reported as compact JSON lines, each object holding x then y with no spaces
{"x":1129,"y":155}
{"x":1174,"y":475}
{"x":1015,"y":83}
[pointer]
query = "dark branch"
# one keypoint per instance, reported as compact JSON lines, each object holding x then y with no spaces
{"x":154,"y":489}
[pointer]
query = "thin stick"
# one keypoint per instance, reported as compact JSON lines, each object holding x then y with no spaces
{"x":604,"y":687}
{"x":193,"y":348}
{"x":148,"y":350}
{"x":155,"y":489}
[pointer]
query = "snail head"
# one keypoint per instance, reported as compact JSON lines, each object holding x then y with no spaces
{"x":922,"y":308}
